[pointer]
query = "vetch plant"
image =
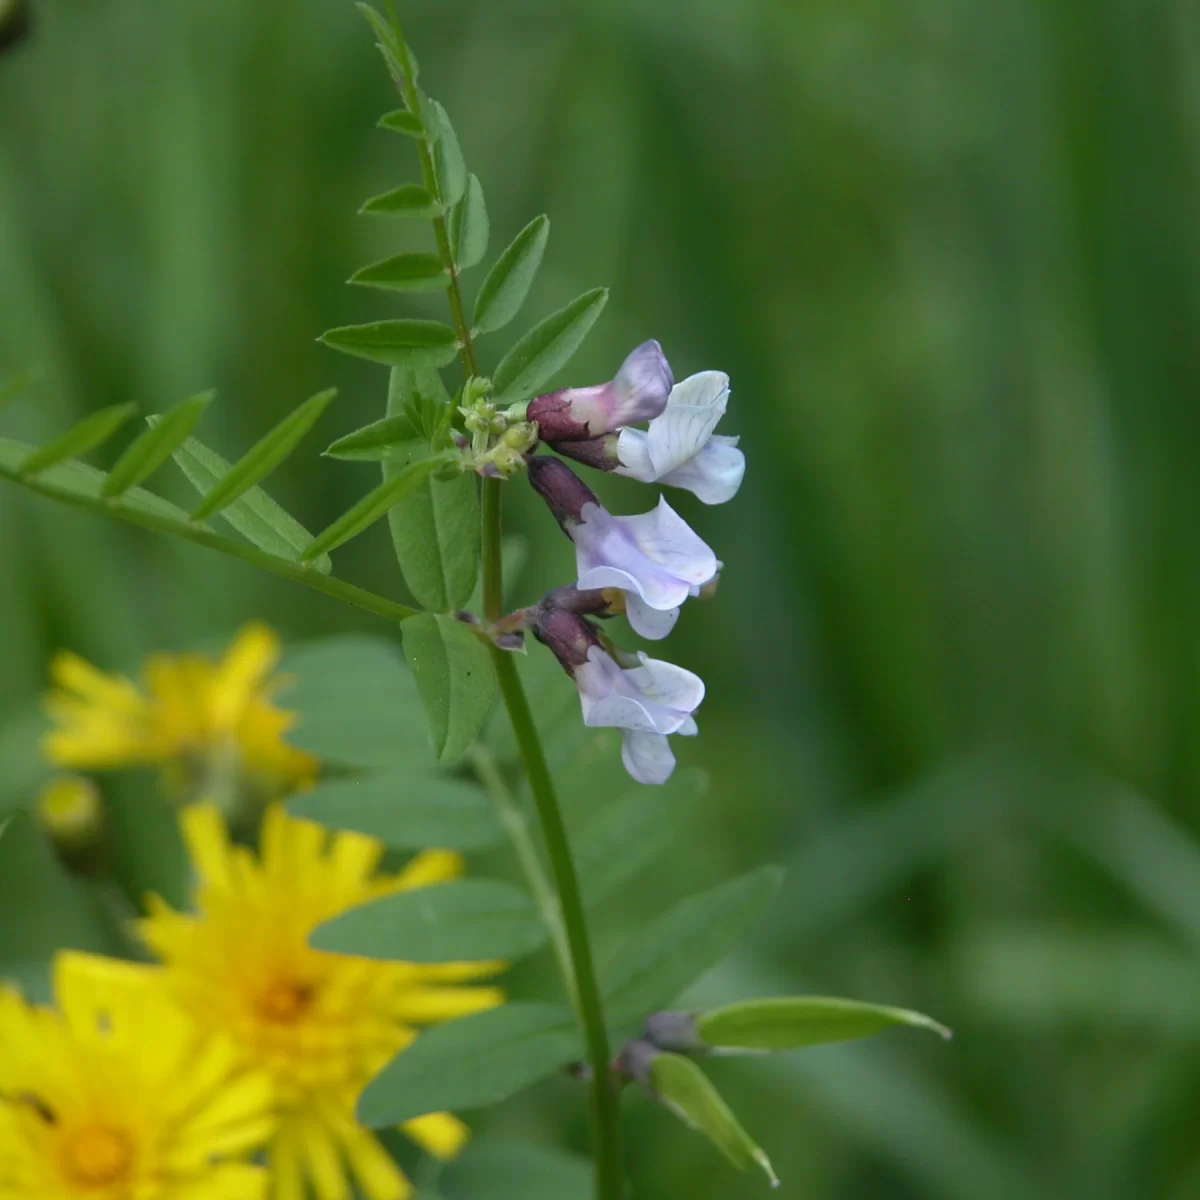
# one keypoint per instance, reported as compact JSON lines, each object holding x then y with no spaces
{"x":316,"y":969}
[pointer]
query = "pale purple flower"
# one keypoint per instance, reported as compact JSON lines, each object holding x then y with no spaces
{"x":646,"y":703}
{"x":654,"y":558}
{"x":638,"y":393}
{"x":680,"y":448}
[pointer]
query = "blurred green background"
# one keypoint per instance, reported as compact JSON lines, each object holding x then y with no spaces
{"x":948,"y":253}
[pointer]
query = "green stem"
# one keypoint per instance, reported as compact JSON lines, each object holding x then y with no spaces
{"x":512,"y":817}
{"x":605,"y":1113}
{"x":603,"y":1098}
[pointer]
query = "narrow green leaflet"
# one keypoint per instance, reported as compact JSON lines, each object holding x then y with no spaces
{"x":469,"y":226}
{"x":686,"y":1090}
{"x":404,"y":273}
{"x":402,"y":121}
{"x":396,"y":343}
{"x":435,"y":529}
{"x":455,"y":678}
{"x":373,"y":506}
{"x":467,"y":920}
{"x":448,"y":159}
{"x":625,"y":837}
{"x":374,"y":442}
{"x":656,"y":963}
{"x":546,"y":348}
{"x":45,"y":910}
{"x":408,"y":200}
{"x":155,"y":445}
{"x":79,"y":439}
{"x":75,"y":483}
{"x":253,"y":514}
{"x":263,"y":457}
{"x":785,"y":1022}
{"x":508,"y":282}
{"x":408,"y":809}
{"x":356,"y":704}
{"x":471,"y":1062}
{"x":495,"y":1170}
{"x":390,"y":45}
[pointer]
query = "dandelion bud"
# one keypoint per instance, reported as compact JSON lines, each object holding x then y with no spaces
{"x":638,"y":393}
{"x":564,"y":492}
{"x":70,"y":811}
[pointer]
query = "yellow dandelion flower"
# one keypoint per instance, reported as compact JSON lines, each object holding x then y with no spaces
{"x":322,"y":1024}
{"x":210,"y":724}
{"x":116,"y":1096}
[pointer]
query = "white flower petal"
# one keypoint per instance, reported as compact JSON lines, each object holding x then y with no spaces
{"x":655,"y":556}
{"x":689,"y":728}
{"x":666,"y":539}
{"x":647,"y":757}
{"x":626,"y":712}
{"x":650,"y":622}
{"x":667,"y":684}
{"x":693,"y":410}
{"x":633,"y":449}
{"x":714,"y":474}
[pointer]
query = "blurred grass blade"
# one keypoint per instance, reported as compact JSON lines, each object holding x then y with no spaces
{"x":399,"y":343}
{"x":18,"y":384}
{"x":155,"y":445}
{"x":372,"y":507}
{"x":374,"y":442}
{"x":79,"y":439}
{"x":404,"y":273}
{"x":787,"y":1022}
{"x":684,"y":1088}
{"x":508,"y":282}
{"x":402,"y":121}
{"x":409,"y":200}
{"x":257,"y":517}
{"x":469,"y":228}
{"x":448,"y":160}
{"x":547,"y":347}
{"x":261,"y":459}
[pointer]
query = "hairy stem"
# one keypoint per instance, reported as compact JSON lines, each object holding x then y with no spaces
{"x":603,"y":1099}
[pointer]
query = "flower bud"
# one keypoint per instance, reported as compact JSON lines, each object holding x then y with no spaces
{"x":600,"y":452}
{"x":70,"y":811}
{"x":564,"y":492}
{"x":638,"y":393}
{"x":599,"y":602}
{"x":674,"y":1031}
{"x":569,"y":637}
{"x":635,"y":1059}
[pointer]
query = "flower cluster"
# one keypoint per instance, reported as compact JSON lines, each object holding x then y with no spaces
{"x":646,"y":565}
{"x":260,"y":1043}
